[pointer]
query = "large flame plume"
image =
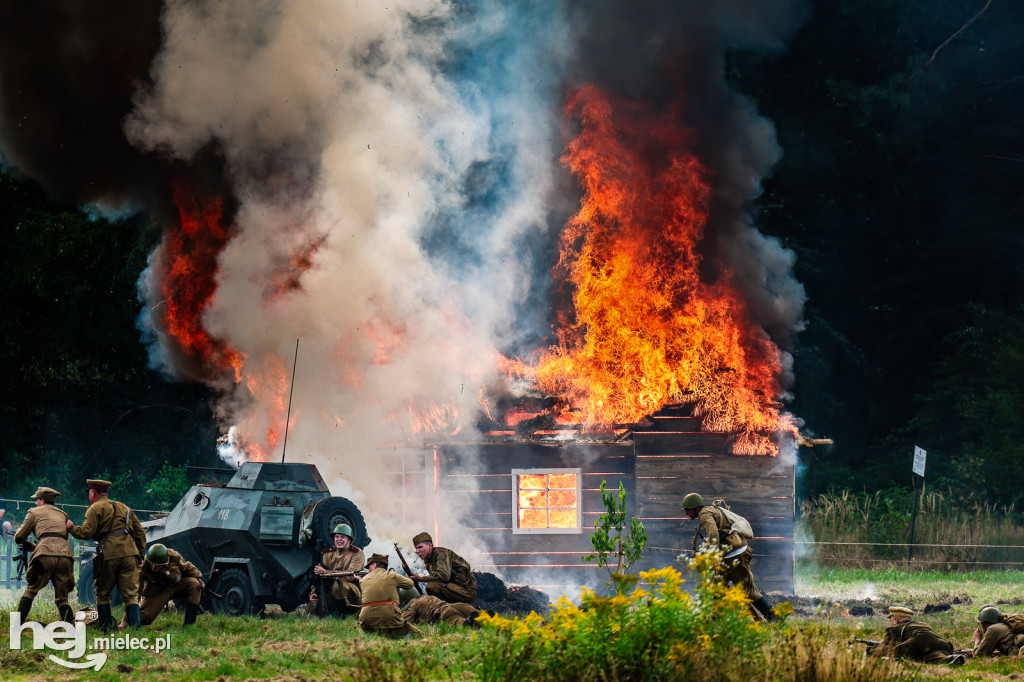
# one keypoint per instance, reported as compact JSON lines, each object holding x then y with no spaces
{"x":653,"y":320}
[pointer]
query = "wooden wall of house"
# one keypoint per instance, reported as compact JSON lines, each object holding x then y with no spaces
{"x":657,"y":469}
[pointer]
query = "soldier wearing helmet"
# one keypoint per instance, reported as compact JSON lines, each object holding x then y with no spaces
{"x":715,"y":530}
{"x":993,"y":636}
{"x":908,"y":638}
{"x":340,"y":594}
{"x":164,"y":576}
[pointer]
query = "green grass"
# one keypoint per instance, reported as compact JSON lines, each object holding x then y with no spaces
{"x":811,"y":646}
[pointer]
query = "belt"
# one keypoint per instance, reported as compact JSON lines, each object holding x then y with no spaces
{"x":381,"y":603}
{"x":62,"y":536}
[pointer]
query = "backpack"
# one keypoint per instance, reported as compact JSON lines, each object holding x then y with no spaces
{"x":1015,"y":622}
{"x":740,"y":526}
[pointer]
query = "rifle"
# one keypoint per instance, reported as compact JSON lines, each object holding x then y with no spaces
{"x":22,"y":559}
{"x":867,"y":642}
{"x":408,"y":571}
{"x":208,"y":592}
{"x":343,"y":574}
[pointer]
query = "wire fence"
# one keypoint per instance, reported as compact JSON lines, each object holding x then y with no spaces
{"x":15,"y":513}
{"x":950,"y":555}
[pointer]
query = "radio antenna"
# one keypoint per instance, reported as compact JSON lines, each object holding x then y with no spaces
{"x":288,"y":417}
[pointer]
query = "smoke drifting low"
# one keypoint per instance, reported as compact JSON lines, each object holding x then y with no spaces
{"x":389,"y":179}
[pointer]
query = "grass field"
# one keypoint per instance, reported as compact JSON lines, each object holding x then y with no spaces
{"x":811,"y":645}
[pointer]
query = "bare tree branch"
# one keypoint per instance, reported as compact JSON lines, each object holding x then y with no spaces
{"x":953,"y":37}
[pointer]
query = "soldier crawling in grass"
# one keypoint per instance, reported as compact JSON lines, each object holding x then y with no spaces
{"x":998,"y":635}
{"x":52,"y":559}
{"x":716,"y":531}
{"x":908,"y":638}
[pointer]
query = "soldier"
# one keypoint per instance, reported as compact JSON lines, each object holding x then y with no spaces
{"x":342,"y":596}
{"x":449,"y":576}
{"x":52,"y":559}
{"x":430,"y":609}
{"x":164,"y":576}
{"x":907,"y":638}
{"x":380,"y":612}
{"x":715,"y":529}
{"x":994,"y":637}
{"x":120,"y":541}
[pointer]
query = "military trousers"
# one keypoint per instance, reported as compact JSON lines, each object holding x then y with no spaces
{"x":43,"y":570}
{"x":430,"y":609}
{"x":123,"y":572}
{"x":452,"y":593}
{"x":155,"y":598}
{"x":737,"y":570}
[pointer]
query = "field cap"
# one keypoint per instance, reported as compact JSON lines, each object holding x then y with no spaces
{"x":99,"y":485}
{"x":45,"y":494}
{"x":422,"y":537}
{"x":378,"y":559}
{"x":900,"y":611}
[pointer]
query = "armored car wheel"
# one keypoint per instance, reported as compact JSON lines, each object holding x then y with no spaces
{"x":332,"y":511}
{"x":236,"y":594}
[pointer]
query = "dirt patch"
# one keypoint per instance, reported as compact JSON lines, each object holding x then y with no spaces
{"x":519,"y":600}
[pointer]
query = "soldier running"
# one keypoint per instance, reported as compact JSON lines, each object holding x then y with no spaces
{"x":164,"y":576}
{"x":120,"y":540}
{"x":715,"y":530}
{"x":449,"y":576}
{"x":380,"y":612}
{"x":52,"y":559}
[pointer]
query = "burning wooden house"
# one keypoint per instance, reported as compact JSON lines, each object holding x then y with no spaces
{"x":526,"y":501}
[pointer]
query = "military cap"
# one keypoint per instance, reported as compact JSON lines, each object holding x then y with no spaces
{"x":98,"y":485}
{"x":378,"y":559}
{"x":422,"y":537}
{"x":45,"y":494}
{"x":900,"y":611}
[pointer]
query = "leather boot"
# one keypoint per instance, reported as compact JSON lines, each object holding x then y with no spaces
{"x":191,"y":611}
{"x":66,"y":614}
{"x":24,"y":606}
{"x":134,"y":615}
{"x":106,"y":621}
{"x":764,"y":609}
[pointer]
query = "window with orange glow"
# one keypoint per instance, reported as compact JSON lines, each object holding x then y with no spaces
{"x":546,"y":501}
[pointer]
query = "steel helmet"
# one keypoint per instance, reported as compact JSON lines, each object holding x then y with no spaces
{"x":344,"y":529}
{"x":157,"y":555}
{"x":989,"y":614}
{"x":692,"y":501}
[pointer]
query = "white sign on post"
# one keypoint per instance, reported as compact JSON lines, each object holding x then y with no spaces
{"x":919,"y":457}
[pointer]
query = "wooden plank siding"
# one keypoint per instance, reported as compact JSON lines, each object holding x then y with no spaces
{"x":656,"y":467}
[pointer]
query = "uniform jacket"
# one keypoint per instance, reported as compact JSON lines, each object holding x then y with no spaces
{"x":998,"y":639}
{"x":445,"y":566}
{"x":155,"y":579}
{"x":381,"y":585}
{"x":349,"y":559}
{"x":913,"y":640}
{"x":43,"y":519}
{"x":714,"y":526}
{"x":106,"y":515}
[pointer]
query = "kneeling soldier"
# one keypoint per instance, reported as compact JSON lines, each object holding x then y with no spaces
{"x":449,"y":576}
{"x":342,"y":597}
{"x":380,"y":612}
{"x":164,"y":576}
{"x":52,"y":559}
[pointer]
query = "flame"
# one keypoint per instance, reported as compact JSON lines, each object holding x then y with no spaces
{"x":188,"y":256}
{"x":547,"y":500}
{"x":655,"y":318}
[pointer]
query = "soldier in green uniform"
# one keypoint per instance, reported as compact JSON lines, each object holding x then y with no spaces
{"x":715,"y":530}
{"x":164,"y":576}
{"x":449,"y":576}
{"x":52,"y":559}
{"x":994,"y":637}
{"x":342,"y":593}
{"x":120,"y":541}
{"x":380,"y":612}
{"x":908,"y":638}
{"x":430,"y":609}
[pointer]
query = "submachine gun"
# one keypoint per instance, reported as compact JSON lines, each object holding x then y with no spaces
{"x":866,"y":642}
{"x":25,"y":550}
